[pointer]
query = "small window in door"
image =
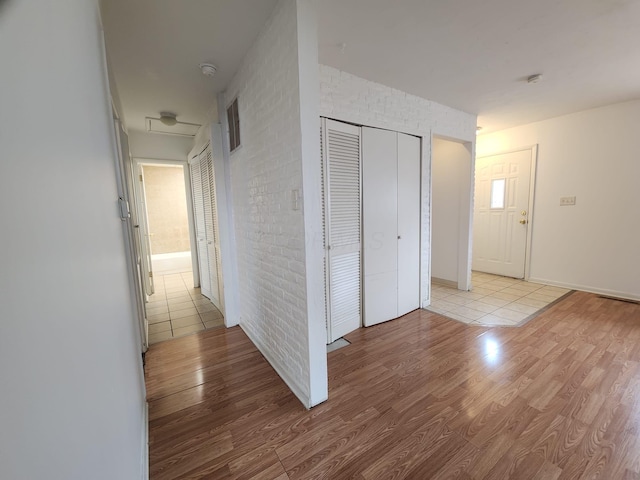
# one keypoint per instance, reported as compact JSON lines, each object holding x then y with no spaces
{"x":234,"y":125}
{"x":498,"y":192}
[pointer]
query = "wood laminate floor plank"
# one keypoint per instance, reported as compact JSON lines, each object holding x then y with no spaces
{"x":421,"y":397}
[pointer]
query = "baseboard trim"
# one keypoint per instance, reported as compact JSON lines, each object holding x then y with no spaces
{"x":144,"y":470}
{"x":293,"y":386}
{"x":585,"y":288}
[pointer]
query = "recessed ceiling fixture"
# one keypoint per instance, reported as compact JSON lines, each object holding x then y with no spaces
{"x":168,"y":118}
{"x":208,"y":69}
{"x":535,"y":78}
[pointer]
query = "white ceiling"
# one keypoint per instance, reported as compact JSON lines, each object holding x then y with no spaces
{"x":471,"y":55}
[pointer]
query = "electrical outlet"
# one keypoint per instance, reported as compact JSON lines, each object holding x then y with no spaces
{"x":566,"y":201}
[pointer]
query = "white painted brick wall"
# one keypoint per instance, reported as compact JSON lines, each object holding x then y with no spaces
{"x":353,"y":99}
{"x":270,"y":235}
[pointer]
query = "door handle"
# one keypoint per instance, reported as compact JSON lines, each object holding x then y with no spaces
{"x":523,"y":222}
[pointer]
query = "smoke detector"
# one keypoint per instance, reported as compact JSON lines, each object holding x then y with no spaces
{"x":168,"y":118}
{"x":208,"y":69}
{"x":535,"y":78}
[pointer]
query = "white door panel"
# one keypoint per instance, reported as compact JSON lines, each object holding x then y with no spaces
{"x":340,"y":148}
{"x":501,"y":213}
{"x":408,"y":223}
{"x":381,"y":300}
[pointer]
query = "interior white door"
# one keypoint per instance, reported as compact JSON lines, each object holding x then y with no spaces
{"x":145,"y":235}
{"x":340,"y":146}
{"x":380,"y":224}
{"x":208,"y":194}
{"x":501,"y":213}
{"x":408,"y":223}
{"x":201,"y":234}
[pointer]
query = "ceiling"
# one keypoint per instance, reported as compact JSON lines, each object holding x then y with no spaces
{"x":470,"y":55}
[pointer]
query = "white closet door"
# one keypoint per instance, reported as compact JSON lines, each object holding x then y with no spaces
{"x":201,"y":235}
{"x":215,"y":252}
{"x":408,"y":223}
{"x":208,"y":195}
{"x":380,"y":224}
{"x":341,"y":205}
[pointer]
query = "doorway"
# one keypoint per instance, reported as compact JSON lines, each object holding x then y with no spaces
{"x":175,"y":305}
{"x":452,"y":181}
{"x":504,"y":186}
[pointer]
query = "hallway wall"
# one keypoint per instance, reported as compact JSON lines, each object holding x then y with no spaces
{"x":72,"y":401}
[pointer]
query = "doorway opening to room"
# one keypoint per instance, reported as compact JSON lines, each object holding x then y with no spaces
{"x":175,"y":306}
{"x":452,"y":183}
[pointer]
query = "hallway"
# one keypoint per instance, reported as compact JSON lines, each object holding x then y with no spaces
{"x":177,"y":308}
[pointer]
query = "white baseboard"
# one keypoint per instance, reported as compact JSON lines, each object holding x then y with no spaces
{"x":144,"y":468}
{"x":293,"y":386}
{"x":586,"y":288}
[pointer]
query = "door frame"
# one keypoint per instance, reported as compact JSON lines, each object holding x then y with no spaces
{"x":140,"y":161}
{"x":532,"y":183}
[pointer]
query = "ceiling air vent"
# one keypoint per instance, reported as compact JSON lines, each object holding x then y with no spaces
{"x":182,"y":129}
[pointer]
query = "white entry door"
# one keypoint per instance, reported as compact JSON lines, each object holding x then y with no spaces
{"x":501,"y":213}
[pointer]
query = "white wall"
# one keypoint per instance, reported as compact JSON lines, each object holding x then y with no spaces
{"x":158,"y":146}
{"x":72,"y":396}
{"x":593,"y":155}
{"x":279,"y":249}
{"x":353,"y":99}
{"x":451,"y":193}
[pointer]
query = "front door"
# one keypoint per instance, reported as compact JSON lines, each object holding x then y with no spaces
{"x":501,"y":213}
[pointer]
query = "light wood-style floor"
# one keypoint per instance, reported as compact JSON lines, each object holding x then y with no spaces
{"x":421,"y":397}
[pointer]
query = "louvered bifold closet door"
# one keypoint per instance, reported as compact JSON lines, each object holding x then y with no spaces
{"x":341,"y":172}
{"x":208,"y":189}
{"x":201,"y":233}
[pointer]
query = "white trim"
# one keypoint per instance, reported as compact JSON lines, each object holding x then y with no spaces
{"x":297,"y":390}
{"x":144,"y":468}
{"x":586,"y":288}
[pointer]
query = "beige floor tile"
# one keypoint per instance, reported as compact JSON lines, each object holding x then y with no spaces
{"x":511,"y":315}
{"x":506,"y":296}
{"x":482,"y":291}
{"x":553,"y":291}
{"x":541,"y":297}
{"x":469,"y":295}
{"x":214,"y":323}
{"x":157,"y":310}
{"x":180,"y":299}
{"x":519,"y":307}
{"x":531,"y":302}
{"x":185,"y":321}
{"x":433,"y":309}
{"x":179,"y":294}
{"x":458,"y":317}
{"x":177,"y":332}
{"x":159,"y":327}
{"x":206,"y":308}
{"x":468,"y":313}
{"x":187,"y":312}
{"x":493,"y":320}
{"x":482,"y":307}
{"x":158,"y":318}
{"x":174,"y":307}
{"x":440,"y":294}
{"x":498,"y":302}
{"x":525,"y":287}
{"x":458,"y":300}
{"x":443,"y":305}
{"x":211,"y":316}
{"x":159,"y":337}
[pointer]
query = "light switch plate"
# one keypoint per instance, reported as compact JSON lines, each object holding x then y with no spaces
{"x":566,"y":201}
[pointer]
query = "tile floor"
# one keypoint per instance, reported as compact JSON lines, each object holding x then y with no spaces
{"x":493,"y":300}
{"x":177,"y":308}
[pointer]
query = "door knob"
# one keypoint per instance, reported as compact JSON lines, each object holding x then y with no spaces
{"x":523,"y":213}
{"x":523,"y":221}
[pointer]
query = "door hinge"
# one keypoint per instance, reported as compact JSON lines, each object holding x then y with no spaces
{"x":141,"y":178}
{"x":151,"y":274}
